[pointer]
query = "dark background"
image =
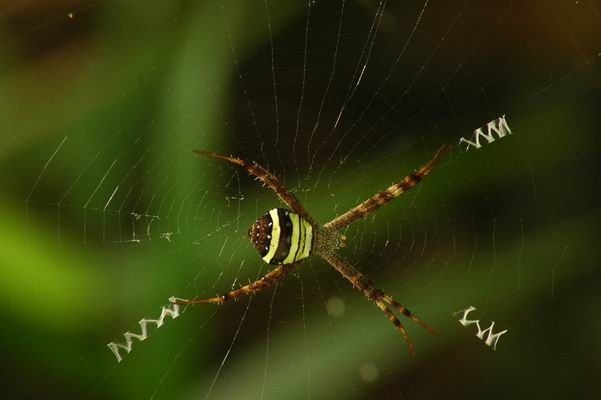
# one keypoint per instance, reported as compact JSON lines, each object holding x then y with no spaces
{"x":101,"y":233}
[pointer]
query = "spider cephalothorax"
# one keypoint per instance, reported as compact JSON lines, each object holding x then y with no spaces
{"x":285,"y":238}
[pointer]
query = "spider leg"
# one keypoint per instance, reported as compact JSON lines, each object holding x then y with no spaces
{"x":395,"y":321}
{"x":378,"y":200}
{"x":377,"y":296}
{"x":405,"y":311}
{"x":268,"y":179}
{"x":268,"y":280}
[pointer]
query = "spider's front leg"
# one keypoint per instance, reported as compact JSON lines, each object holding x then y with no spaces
{"x":266,"y":281}
{"x":268,"y":179}
{"x":381,"y":299}
{"x":378,"y":200}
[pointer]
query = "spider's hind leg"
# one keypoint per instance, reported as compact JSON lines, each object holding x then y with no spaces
{"x":268,"y":179}
{"x":268,"y":280}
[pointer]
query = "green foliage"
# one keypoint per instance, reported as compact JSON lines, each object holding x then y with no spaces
{"x":122,"y":79}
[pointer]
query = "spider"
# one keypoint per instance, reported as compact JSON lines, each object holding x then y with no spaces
{"x":285,"y":238}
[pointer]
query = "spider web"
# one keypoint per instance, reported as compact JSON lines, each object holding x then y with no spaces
{"x":107,"y":213}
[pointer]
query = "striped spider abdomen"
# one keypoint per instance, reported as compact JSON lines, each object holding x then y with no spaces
{"x":282,"y":237}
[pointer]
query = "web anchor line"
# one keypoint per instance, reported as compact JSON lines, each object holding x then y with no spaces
{"x":172,"y":311}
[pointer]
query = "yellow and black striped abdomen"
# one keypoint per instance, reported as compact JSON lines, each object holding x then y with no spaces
{"x":282,"y":236}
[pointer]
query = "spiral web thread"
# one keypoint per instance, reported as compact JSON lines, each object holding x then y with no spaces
{"x":172,"y":312}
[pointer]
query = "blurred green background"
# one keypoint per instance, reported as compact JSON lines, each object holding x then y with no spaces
{"x":106,"y":213}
